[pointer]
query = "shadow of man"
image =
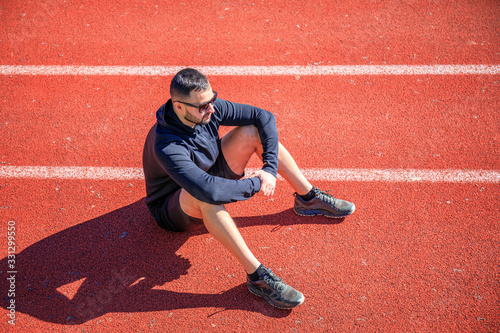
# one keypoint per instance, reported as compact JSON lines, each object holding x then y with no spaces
{"x":114,"y":262}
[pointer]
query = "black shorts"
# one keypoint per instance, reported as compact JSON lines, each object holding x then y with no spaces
{"x":168,"y":213}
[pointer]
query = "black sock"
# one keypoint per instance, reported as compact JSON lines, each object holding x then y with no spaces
{"x":309,"y":196}
{"x":255,"y":275}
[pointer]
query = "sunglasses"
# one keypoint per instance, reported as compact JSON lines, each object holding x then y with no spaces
{"x":203,"y":107}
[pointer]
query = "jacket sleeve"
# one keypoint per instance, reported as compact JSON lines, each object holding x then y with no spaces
{"x":176,"y":161}
{"x":234,"y":114}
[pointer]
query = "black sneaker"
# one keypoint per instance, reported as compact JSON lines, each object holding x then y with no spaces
{"x":322,"y":204}
{"x":275,"y":291}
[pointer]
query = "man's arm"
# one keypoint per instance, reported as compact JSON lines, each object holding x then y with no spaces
{"x":176,"y":161}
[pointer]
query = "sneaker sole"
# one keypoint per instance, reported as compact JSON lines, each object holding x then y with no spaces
{"x":320,"y":212}
{"x":270,"y":301}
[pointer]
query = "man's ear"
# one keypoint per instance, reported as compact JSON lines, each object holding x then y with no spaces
{"x":177,"y":106}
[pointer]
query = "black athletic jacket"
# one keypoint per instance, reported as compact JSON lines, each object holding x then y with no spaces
{"x":177,"y":156}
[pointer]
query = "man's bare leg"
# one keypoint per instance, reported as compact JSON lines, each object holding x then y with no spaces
{"x":242,"y":142}
{"x":220,"y":225}
{"x":289,"y":170}
{"x":323,"y":203}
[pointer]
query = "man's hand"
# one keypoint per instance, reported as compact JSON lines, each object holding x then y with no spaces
{"x":267,"y":181}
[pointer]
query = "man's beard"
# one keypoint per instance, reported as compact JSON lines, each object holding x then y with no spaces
{"x":189,"y":117}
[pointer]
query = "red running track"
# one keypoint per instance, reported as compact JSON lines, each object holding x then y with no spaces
{"x":414,"y":257}
{"x":259,"y":33}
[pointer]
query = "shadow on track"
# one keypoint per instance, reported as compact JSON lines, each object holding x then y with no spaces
{"x":114,"y":261}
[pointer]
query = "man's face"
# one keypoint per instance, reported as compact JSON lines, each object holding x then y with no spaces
{"x":190,"y":107}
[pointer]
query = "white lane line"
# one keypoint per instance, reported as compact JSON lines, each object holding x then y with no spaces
{"x":400,"y":175}
{"x":255,"y":70}
{"x":71,"y":172}
{"x":353,"y":175}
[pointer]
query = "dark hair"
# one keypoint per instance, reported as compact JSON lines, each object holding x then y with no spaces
{"x":187,"y":80}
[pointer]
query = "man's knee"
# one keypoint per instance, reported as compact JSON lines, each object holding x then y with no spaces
{"x":194,"y":207}
{"x":209,"y":208}
{"x":249,"y":134}
{"x":249,"y":139}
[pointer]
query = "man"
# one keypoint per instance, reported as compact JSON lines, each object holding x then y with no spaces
{"x":191,"y":173}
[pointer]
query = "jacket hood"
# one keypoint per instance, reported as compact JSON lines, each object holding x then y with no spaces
{"x":167,"y":120}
